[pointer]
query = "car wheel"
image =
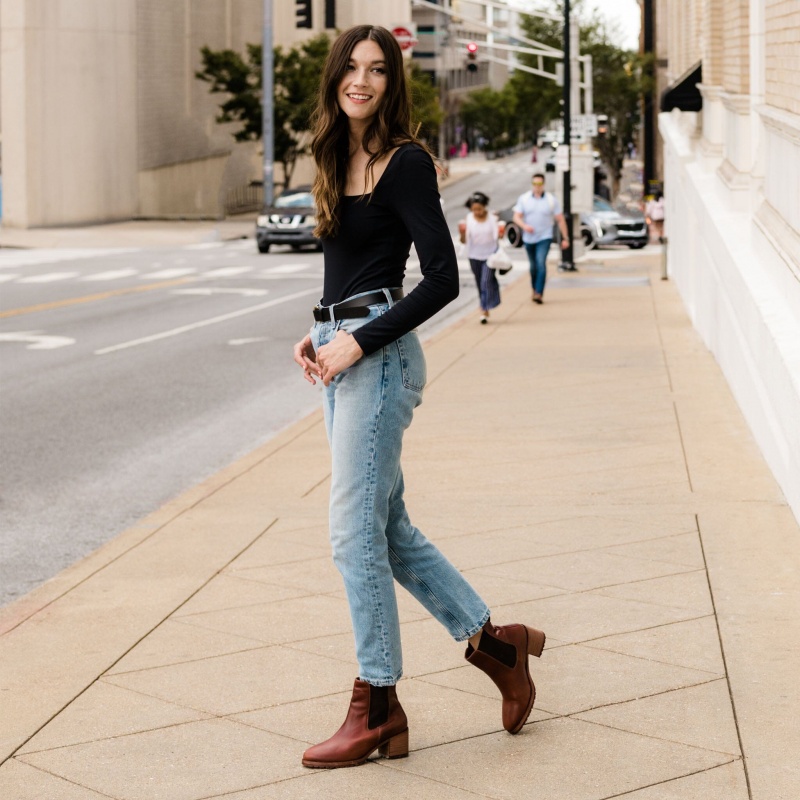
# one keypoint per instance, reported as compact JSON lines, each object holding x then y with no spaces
{"x":514,"y":235}
{"x":588,"y":240}
{"x":263,"y":247}
{"x":636,"y":245}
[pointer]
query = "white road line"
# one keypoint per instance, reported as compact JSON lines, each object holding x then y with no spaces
{"x":26,"y":258}
{"x":212,"y":321}
{"x":36,"y":340}
{"x":226,"y":272}
{"x":6,"y":277}
{"x":203,"y":246}
{"x":110,"y":275}
{"x":173,"y":272}
{"x":285,"y":269}
{"x":48,"y":277}
{"x":209,"y":290}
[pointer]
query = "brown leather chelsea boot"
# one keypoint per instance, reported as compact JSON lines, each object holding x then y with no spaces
{"x":503,"y":655}
{"x":375,"y":721}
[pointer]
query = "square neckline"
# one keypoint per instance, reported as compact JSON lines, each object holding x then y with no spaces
{"x":386,"y":169}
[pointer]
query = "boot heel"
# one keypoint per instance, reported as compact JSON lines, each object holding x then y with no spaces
{"x":535,"y":642}
{"x":396,"y":747}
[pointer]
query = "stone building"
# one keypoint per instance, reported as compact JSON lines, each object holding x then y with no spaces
{"x":103,"y":118}
{"x":732,"y":188}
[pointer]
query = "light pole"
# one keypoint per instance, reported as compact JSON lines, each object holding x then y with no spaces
{"x":567,"y":263}
{"x":267,"y":111}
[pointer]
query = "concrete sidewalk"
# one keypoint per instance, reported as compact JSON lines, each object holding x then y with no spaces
{"x":582,"y":462}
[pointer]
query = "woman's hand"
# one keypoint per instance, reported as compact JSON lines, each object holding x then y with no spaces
{"x":340,"y":353}
{"x":305,"y":356}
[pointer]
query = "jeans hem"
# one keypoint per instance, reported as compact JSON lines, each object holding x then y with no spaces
{"x":473,"y":631}
{"x":382,"y":681}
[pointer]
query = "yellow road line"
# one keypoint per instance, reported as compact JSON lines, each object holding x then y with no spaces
{"x":15,"y":312}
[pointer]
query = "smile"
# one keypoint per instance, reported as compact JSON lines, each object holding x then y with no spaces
{"x":360,"y":98}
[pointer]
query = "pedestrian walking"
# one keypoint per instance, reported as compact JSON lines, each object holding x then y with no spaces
{"x":654,"y":211}
{"x":480,"y":232}
{"x":376,"y":193}
{"x":536,"y":211}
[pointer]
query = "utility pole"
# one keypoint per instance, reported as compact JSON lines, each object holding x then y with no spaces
{"x":267,"y":110}
{"x":567,"y":263}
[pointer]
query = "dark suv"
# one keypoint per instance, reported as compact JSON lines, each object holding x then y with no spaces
{"x":290,"y":220}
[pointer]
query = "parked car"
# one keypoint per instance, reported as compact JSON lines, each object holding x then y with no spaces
{"x":606,"y":225}
{"x":603,"y":226}
{"x":290,"y":220}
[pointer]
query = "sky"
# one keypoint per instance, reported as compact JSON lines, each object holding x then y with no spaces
{"x":626,"y":14}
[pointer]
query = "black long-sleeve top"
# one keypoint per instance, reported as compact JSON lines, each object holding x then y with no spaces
{"x":371,"y":248}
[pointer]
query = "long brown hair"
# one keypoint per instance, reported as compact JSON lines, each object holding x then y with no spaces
{"x":390,"y":127}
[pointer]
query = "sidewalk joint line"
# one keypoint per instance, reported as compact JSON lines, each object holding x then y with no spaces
{"x":651,"y":736}
{"x":725,"y":662}
{"x":670,"y":780}
{"x":137,"y":642}
{"x":683,"y":445}
{"x":172,"y":519}
{"x":61,"y":777}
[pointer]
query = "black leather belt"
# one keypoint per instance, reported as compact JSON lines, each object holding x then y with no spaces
{"x":357,"y":307}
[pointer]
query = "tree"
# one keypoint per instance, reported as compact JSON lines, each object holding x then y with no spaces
{"x":426,"y":113}
{"x":619,"y":79}
{"x":491,"y":114}
{"x":296,"y":78}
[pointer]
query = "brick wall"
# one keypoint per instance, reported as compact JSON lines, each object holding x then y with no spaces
{"x":735,"y":58}
{"x":713,"y":41}
{"x":782,"y":58}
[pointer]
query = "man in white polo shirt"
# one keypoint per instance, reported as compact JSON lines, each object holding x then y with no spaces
{"x":535,"y":213}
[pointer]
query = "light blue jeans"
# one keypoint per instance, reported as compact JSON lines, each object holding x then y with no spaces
{"x":367,"y":409}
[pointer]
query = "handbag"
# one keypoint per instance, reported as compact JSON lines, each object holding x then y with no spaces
{"x":500,"y":261}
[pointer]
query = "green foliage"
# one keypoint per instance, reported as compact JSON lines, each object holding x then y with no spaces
{"x":425,"y":109}
{"x":491,"y":114}
{"x":296,"y":81}
{"x":620,"y":77}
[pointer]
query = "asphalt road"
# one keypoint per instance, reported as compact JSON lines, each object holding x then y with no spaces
{"x":129,"y":376}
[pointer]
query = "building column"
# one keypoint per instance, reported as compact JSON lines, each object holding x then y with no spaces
{"x":69,"y":111}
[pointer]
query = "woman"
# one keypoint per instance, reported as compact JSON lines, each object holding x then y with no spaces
{"x":376,"y":192}
{"x":481,"y":234}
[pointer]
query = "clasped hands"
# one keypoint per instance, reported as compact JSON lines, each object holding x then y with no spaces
{"x":340,"y":353}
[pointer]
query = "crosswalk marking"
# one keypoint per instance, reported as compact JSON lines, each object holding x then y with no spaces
{"x":48,"y":277}
{"x":110,"y":275}
{"x":171,"y":272}
{"x":285,"y":269}
{"x":226,"y":272}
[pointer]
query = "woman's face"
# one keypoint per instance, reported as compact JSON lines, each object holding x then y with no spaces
{"x":363,"y":85}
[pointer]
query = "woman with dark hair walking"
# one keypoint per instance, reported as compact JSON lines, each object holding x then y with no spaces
{"x":376,"y":192}
{"x":480,"y":232}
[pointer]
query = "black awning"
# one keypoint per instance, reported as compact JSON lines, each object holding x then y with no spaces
{"x":684,"y":94}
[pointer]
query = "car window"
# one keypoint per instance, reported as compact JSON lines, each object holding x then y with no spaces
{"x":602,"y":205}
{"x":295,"y":200}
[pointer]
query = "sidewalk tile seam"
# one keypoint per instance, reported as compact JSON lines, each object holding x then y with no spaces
{"x":594,"y":589}
{"x":670,"y":780}
{"x":682,"y":441}
{"x":724,"y":660}
{"x":181,"y":617}
{"x":62,"y":778}
{"x":104,"y":673}
{"x":577,"y":715}
{"x":615,"y":703}
{"x":384,"y":764}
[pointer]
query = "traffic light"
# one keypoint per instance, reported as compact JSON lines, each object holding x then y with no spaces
{"x":472,"y":55}
{"x":302,"y":13}
{"x":602,"y":125}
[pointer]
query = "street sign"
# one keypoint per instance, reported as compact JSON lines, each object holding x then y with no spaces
{"x":404,"y":35}
{"x":583,"y":126}
{"x":562,"y":158}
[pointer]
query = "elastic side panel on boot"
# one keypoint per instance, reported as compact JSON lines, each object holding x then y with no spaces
{"x":378,"y":706}
{"x":500,"y":651}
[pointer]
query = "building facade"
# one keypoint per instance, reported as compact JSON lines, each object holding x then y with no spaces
{"x":732,"y":188}
{"x":102,"y":115}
